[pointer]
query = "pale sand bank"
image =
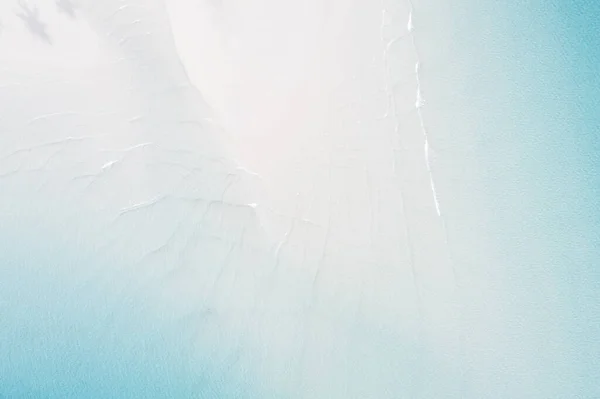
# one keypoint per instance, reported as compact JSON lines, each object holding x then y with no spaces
{"x":232,"y":200}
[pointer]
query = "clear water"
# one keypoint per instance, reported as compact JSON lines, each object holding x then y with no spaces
{"x":229,"y":200}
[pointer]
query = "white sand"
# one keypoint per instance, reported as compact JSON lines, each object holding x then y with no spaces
{"x":280,"y":208}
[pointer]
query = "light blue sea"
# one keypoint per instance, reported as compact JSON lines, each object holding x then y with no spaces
{"x":517,"y":99}
{"x":92,"y":307}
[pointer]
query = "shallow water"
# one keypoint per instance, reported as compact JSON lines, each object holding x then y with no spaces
{"x":342,"y":199}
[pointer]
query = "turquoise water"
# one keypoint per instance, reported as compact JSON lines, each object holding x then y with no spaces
{"x":90,"y":307}
{"x":513,"y":113}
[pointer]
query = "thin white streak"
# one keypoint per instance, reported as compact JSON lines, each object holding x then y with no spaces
{"x":418,"y":105}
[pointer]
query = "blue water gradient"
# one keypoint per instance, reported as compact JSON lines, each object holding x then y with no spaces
{"x":91,"y":305}
{"x":514,"y":93}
